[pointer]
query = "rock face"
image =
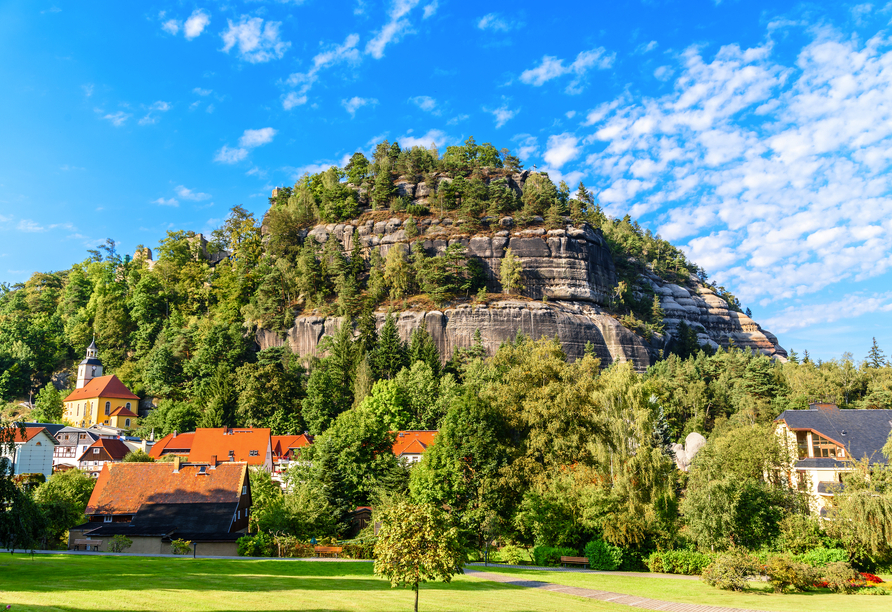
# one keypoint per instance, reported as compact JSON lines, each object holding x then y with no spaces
{"x":684,"y":454}
{"x":573,"y":323}
{"x":571,"y":267}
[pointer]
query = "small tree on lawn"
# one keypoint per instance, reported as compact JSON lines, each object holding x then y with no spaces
{"x":416,"y":544}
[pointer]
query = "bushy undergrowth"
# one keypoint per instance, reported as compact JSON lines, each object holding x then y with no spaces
{"x":550,"y":556}
{"x":731,"y":570}
{"x":603,"y":556}
{"x":821,"y":556}
{"x":784,"y":572}
{"x":686,"y":562}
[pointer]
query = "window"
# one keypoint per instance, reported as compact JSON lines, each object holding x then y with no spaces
{"x":126,"y":422}
{"x":823,"y":447}
{"x":107,"y":408}
{"x":95,"y":451}
{"x":802,"y":443}
{"x":128,"y":405}
{"x":254,"y":453}
{"x":245,"y":490}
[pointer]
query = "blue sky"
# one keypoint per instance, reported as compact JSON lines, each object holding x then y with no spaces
{"x":758,"y":135}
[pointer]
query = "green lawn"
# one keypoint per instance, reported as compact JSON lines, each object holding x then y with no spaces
{"x":758,"y":597}
{"x":81,"y":583}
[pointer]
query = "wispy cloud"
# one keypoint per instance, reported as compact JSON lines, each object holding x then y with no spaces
{"x":167,"y":202}
{"x":154,"y":112}
{"x":189,"y":194}
{"x":202,"y":92}
{"x":116,"y":119}
{"x":807,"y":315}
{"x":30,"y":226}
{"x":502,"y":114}
{"x":355,"y":103}
{"x":425,"y":103}
{"x":196,"y":23}
{"x":497,"y":23}
{"x":346,"y":52}
{"x":436,"y":137}
{"x":430,"y":9}
{"x":250,"y":139}
{"x":551,"y":68}
{"x":394,"y":29}
{"x":256,"y":42}
{"x":562,"y":148}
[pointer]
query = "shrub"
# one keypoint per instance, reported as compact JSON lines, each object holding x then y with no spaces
{"x":418,"y":210}
{"x":550,"y":556}
{"x":819,"y":557}
{"x":119,"y":543}
{"x":784,"y":572}
{"x":603,"y":556}
{"x":259,"y":545}
{"x":686,"y":562}
{"x":840,"y":577}
{"x":359,"y":549}
{"x":730,"y":570}
{"x":181,"y":547}
{"x":510,"y":555}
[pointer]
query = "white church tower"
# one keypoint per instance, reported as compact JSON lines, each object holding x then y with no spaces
{"x":90,"y":367}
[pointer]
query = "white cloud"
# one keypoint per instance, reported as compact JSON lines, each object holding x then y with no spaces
{"x":171,"y":26}
{"x":646,"y":47}
{"x":394,"y":29}
{"x":117,"y":119}
{"x":256,"y":138}
{"x":800,"y":316}
{"x":152,"y":117}
{"x":27,"y":225}
{"x":496,"y":23}
{"x":552,"y":68}
{"x":664,"y":73}
{"x":430,"y":9}
{"x":339,"y":54}
{"x":195,"y":25}
{"x":436,"y":137}
{"x":202,"y":92}
{"x":188,"y":194}
{"x":778,"y":175}
{"x":425,"y":103}
{"x":257,"y":42}
{"x":528,"y":146}
{"x":502,"y":114}
{"x":561,"y":149}
{"x":250,"y":139}
{"x":168,"y":202}
{"x":355,"y":103}
{"x":88,"y":89}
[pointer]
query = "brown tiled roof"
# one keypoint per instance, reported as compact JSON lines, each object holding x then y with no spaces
{"x":30,"y":432}
{"x":210,"y":442}
{"x":123,"y":412}
{"x":179,"y":444}
{"x":116,"y":449}
{"x":102,"y":386}
{"x":412,"y":442}
{"x":123,"y":487}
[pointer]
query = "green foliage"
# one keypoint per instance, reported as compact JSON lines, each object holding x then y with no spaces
{"x":49,"y":405}
{"x":821,"y":556}
{"x":119,"y":543}
{"x":63,"y":499}
{"x":603,"y":556}
{"x":511,"y":273}
{"x":181,"y":547}
{"x":784,"y":573}
{"x":510,"y":554}
{"x":258,"y":545}
{"x":416,"y":544}
{"x":550,"y":556}
{"x":138,"y":456}
{"x":840,"y":577}
{"x":731,"y":570}
{"x":686,"y":562}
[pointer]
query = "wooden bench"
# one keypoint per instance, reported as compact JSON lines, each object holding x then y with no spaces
{"x":328,"y":551}
{"x":574,"y":561}
{"x":87,"y":544}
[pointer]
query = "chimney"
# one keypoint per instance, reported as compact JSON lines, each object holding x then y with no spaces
{"x":213,"y":462}
{"x":176,"y":464}
{"x":174,"y":433}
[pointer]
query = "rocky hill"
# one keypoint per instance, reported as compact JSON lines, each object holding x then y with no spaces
{"x":569,"y":276}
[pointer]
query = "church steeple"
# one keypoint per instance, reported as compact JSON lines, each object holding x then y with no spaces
{"x":90,"y":367}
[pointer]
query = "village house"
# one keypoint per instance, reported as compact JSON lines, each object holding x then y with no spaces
{"x":156,"y":503}
{"x":825,"y":441}
{"x":251,"y":445}
{"x":287,"y":449}
{"x":410,"y":445}
{"x":72,"y":443}
{"x":32,"y":452}
{"x":102,"y":451}
{"x":98,"y":399}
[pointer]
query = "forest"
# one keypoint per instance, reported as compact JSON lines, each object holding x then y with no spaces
{"x":534,"y":450}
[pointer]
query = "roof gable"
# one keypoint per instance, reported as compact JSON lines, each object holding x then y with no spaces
{"x":173,"y":444}
{"x":122,"y":411}
{"x":218,"y":442}
{"x":413,"y":442}
{"x":102,"y":386}
{"x":115,"y":449}
{"x":862,"y":432}
{"x":30,"y":434}
{"x":123,"y":487}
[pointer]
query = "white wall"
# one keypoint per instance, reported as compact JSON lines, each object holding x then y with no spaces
{"x":35,"y":455}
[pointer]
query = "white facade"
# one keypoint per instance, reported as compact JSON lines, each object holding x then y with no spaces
{"x":34,"y":456}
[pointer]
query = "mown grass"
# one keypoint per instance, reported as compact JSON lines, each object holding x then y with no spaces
{"x":757,"y":597}
{"x":86,"y":583}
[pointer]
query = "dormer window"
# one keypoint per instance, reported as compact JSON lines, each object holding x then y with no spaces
{"x":824,"y":448}
{"x":254,"y":453}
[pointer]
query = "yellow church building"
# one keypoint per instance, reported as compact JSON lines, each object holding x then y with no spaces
{"x":98,"y":399}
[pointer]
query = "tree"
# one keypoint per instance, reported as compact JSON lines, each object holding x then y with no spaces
{"x":389,"y":356}
{"x":138,"y":456}
{"x":63,"y":499}
{"x":875,"y":357}
{"x":511,"y":272}
{"x":49,"y":404}
{"x":416,"y":544}
{"x":396,"y":272}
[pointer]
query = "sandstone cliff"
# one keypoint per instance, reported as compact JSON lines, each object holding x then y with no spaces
{"x":572,"y":268}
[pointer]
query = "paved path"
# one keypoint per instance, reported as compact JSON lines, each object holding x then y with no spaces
{"x":617,"y":598}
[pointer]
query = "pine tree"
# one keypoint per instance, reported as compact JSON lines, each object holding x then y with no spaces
{"x":657,"y":314}
{"x":423,"y":348}
{"x":511,"y":272}
{"x":805,"y":357}
{"x":365,"y":380}
{"x":875,"y":357}
{"x":390,"y":355}
{"x":793,"y":356}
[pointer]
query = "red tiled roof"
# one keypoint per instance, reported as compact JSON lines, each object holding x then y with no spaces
{"x":116,"y":449}
{"x":284,"y":445}
{"x":180,"y":444}
{"x":123,"y":412}
{"x":220,"y":441}
{"x":123,"y":487}
{"x":102,"y":386}
{"x":30,"y":432}
{"x":412,"y":442}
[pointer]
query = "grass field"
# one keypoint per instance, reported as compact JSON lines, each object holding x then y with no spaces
{"x":758,"y":597}
{"x":87,"y":584}
{"x":81,"y":584}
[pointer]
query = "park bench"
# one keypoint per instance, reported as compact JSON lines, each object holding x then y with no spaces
{"x":87,"y":544}
{"x":328,"y":551}
{"x":574,"y":561}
